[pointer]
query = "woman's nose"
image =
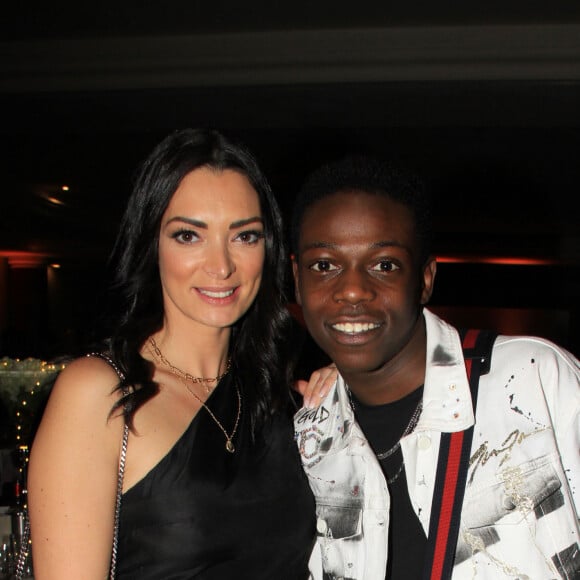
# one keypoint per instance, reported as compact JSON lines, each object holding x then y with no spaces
{"x":219,"y":263}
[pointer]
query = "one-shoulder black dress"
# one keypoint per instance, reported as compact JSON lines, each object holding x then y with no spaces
{"x":204,"y":513}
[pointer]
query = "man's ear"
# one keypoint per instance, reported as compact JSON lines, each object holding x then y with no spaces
{"x":429,"y":271}
{"x":296,"y":274}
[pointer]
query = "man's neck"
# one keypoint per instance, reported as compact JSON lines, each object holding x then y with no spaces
{"x":398,"y":377}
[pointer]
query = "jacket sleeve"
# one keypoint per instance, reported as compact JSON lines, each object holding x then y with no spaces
{"x":559,"y":375}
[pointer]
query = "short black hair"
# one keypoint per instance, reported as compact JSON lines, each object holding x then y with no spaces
{"x":371,"y":175}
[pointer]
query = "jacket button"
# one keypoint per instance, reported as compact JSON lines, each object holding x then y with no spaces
{"x":321,"y":526}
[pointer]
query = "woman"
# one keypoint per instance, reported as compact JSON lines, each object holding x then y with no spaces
{"x":213,"y":486}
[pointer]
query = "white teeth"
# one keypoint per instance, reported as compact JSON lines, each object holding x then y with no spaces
{"x":223,"y":294}
{"x":355,"y":327}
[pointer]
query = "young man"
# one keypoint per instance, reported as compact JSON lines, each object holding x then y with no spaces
{"x":363,"y":275}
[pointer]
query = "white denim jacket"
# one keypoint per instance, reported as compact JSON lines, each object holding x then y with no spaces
{"x":520,"y":512}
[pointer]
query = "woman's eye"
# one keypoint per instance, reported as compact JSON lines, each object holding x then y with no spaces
{"x":323,"y":266}
{"x":385,"y":266}
{"x":250,"y":237}
{"x":185,"y":236}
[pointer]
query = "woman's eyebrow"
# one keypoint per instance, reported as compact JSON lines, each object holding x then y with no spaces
{"x":190,"y":221}
{"x":245,"y":222}
{"x":200,"y":224}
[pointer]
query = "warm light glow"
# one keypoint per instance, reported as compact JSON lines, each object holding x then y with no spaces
{"x":22,"y":259}
{"x":498,"y":260}
{"x":65,"y":188}
{"x":56,"y":266}
{"x":54,"y":200}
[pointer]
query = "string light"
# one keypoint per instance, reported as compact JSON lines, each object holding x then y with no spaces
{"x":21,"y":381}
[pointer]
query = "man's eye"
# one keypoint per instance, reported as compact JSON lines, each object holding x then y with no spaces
{"x":385,"y":266}
{"x":323,"y":266}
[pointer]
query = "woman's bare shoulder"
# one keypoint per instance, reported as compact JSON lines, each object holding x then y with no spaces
{"x":87,"y":381}
{"x":78,"y":412}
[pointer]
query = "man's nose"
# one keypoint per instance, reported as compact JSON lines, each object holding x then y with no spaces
{"x":353,"y":287}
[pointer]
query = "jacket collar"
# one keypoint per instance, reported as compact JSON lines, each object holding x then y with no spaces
{"x":447,"y":405}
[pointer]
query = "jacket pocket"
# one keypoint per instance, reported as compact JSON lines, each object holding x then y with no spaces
{"x":533,"y":486}
{"x":339,"y":522}
{"x":339,"y":517}
{"x":340,"y":537}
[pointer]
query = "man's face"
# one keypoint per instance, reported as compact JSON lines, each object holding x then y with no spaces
{"x":358,"y":278}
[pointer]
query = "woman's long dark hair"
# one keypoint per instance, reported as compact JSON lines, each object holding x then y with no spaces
{"x":259,"y":346}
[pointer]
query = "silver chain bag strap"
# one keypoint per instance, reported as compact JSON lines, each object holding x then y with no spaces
{"x":121,"y":473}
{"x":23,"y":551}
{"x":25,"y":541}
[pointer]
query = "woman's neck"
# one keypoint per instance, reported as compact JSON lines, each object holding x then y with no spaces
{"x":203,"y":354}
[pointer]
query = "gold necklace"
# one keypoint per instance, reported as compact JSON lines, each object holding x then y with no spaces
{"x":229,"y":445}
{"x":177,"y":371}
{"x":183,"y":376}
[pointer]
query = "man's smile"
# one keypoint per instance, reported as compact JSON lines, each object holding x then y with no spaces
{"x":355,"y":327}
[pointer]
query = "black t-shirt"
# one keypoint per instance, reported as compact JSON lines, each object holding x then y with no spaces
{"x":383,"y":426}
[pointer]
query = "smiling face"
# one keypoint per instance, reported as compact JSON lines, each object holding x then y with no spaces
{"x":360,"y":283}
{"x":211,"y":248}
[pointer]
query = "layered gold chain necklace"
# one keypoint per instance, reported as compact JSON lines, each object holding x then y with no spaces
{"x":187,"y":376}
{"x":184,"y":377}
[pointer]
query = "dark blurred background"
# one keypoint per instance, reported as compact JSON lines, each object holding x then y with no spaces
{"x":483,"y":100}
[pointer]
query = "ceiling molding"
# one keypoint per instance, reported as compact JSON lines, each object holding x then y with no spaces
{"x":458,"y":53}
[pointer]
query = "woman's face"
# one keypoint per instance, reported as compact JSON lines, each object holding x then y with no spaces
{"x":211,"y":248}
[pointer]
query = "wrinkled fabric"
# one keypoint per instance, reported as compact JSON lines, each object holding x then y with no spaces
{"x":520,"y":512}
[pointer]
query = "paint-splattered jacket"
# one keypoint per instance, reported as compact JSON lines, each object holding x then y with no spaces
{"x":520,"y":512}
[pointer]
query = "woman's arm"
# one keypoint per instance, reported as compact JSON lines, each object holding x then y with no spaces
{"x":72,"y":475}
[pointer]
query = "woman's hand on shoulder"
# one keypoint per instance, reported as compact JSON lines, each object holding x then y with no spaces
{"x":319,"y":385}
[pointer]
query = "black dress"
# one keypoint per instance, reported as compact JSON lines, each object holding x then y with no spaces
{"x":204,"y":513}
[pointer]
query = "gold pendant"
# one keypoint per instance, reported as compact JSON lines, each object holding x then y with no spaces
{"x":230,"y":446}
